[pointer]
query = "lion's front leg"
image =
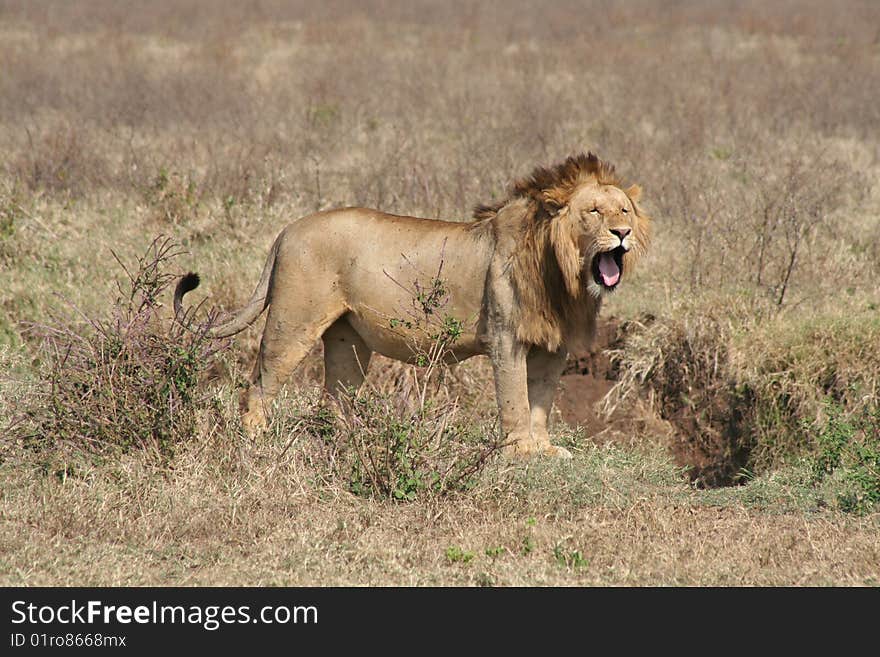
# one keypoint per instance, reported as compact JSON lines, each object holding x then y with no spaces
{"x":544,"y":369}
{"x":511,"y":391}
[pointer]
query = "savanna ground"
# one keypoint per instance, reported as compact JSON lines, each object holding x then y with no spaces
{"x":725,"y":431}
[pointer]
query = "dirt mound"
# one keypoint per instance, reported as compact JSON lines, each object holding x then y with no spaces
{"x":587,"y":379}
{"x":693,"y":403}
{"x":695,"y":389}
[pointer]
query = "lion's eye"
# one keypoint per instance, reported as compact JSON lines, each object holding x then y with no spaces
{"x":625,"y":210}
{"x":594,"y":211}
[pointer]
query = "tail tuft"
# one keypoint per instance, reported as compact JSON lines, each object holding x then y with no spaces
{"x":187,"y":283}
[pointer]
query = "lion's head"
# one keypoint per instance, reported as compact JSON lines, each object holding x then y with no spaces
{"x":580,"y":233}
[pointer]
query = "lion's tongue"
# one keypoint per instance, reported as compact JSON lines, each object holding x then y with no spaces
{"x":608,"y":269}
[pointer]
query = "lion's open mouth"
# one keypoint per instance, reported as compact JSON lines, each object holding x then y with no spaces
{"x":607,"y":268}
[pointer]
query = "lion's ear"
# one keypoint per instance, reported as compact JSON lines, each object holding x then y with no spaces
{"x":553,"y":200}
{"x":634,"y":192}
{"x":563,"y":239}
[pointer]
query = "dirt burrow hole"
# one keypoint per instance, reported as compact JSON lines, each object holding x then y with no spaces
{"x":706,"y":430}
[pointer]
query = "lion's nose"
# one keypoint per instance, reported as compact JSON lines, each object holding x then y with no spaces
{"x":621,"y":232}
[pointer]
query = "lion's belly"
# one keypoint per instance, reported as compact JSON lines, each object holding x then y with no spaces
{"x":409,"y":267}
{"x":401,"y":343}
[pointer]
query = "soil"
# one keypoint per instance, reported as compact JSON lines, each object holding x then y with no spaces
{"x":587,"y":379}
{"x":713,"y":439}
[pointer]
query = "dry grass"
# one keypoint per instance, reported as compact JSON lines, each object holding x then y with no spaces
{"x":753,"y":128}
{"x":250,"y":515}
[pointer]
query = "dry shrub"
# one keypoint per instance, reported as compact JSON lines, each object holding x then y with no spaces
{"x":126,"y":382}
{"x":684,"y":364}
{"x":173,"y":197}
{"x":408,"y":436}
{"x":60,"y":159}
{"x":796,"y":202}
{"x":399,"y":445}
{"x":12,"y":212}
{"x":758,"y":221}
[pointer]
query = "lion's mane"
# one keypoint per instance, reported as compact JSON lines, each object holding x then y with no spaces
{"x":546,"y":267}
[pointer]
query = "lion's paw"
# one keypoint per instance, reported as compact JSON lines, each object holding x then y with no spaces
{"x":556,"y":452}
{"x":254,"y":424}
{"x":529,"y":447}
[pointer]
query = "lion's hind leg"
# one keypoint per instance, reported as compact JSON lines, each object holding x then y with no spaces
{"x":287,"y":339}
{"x":346,"y":357}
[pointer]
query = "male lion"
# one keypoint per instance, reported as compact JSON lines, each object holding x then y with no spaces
{"x":527,"y":276}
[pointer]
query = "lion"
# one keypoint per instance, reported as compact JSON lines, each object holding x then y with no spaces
{"x":528,"y":274}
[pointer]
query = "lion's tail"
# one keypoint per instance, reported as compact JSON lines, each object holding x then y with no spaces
{"x":258,"y":302}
